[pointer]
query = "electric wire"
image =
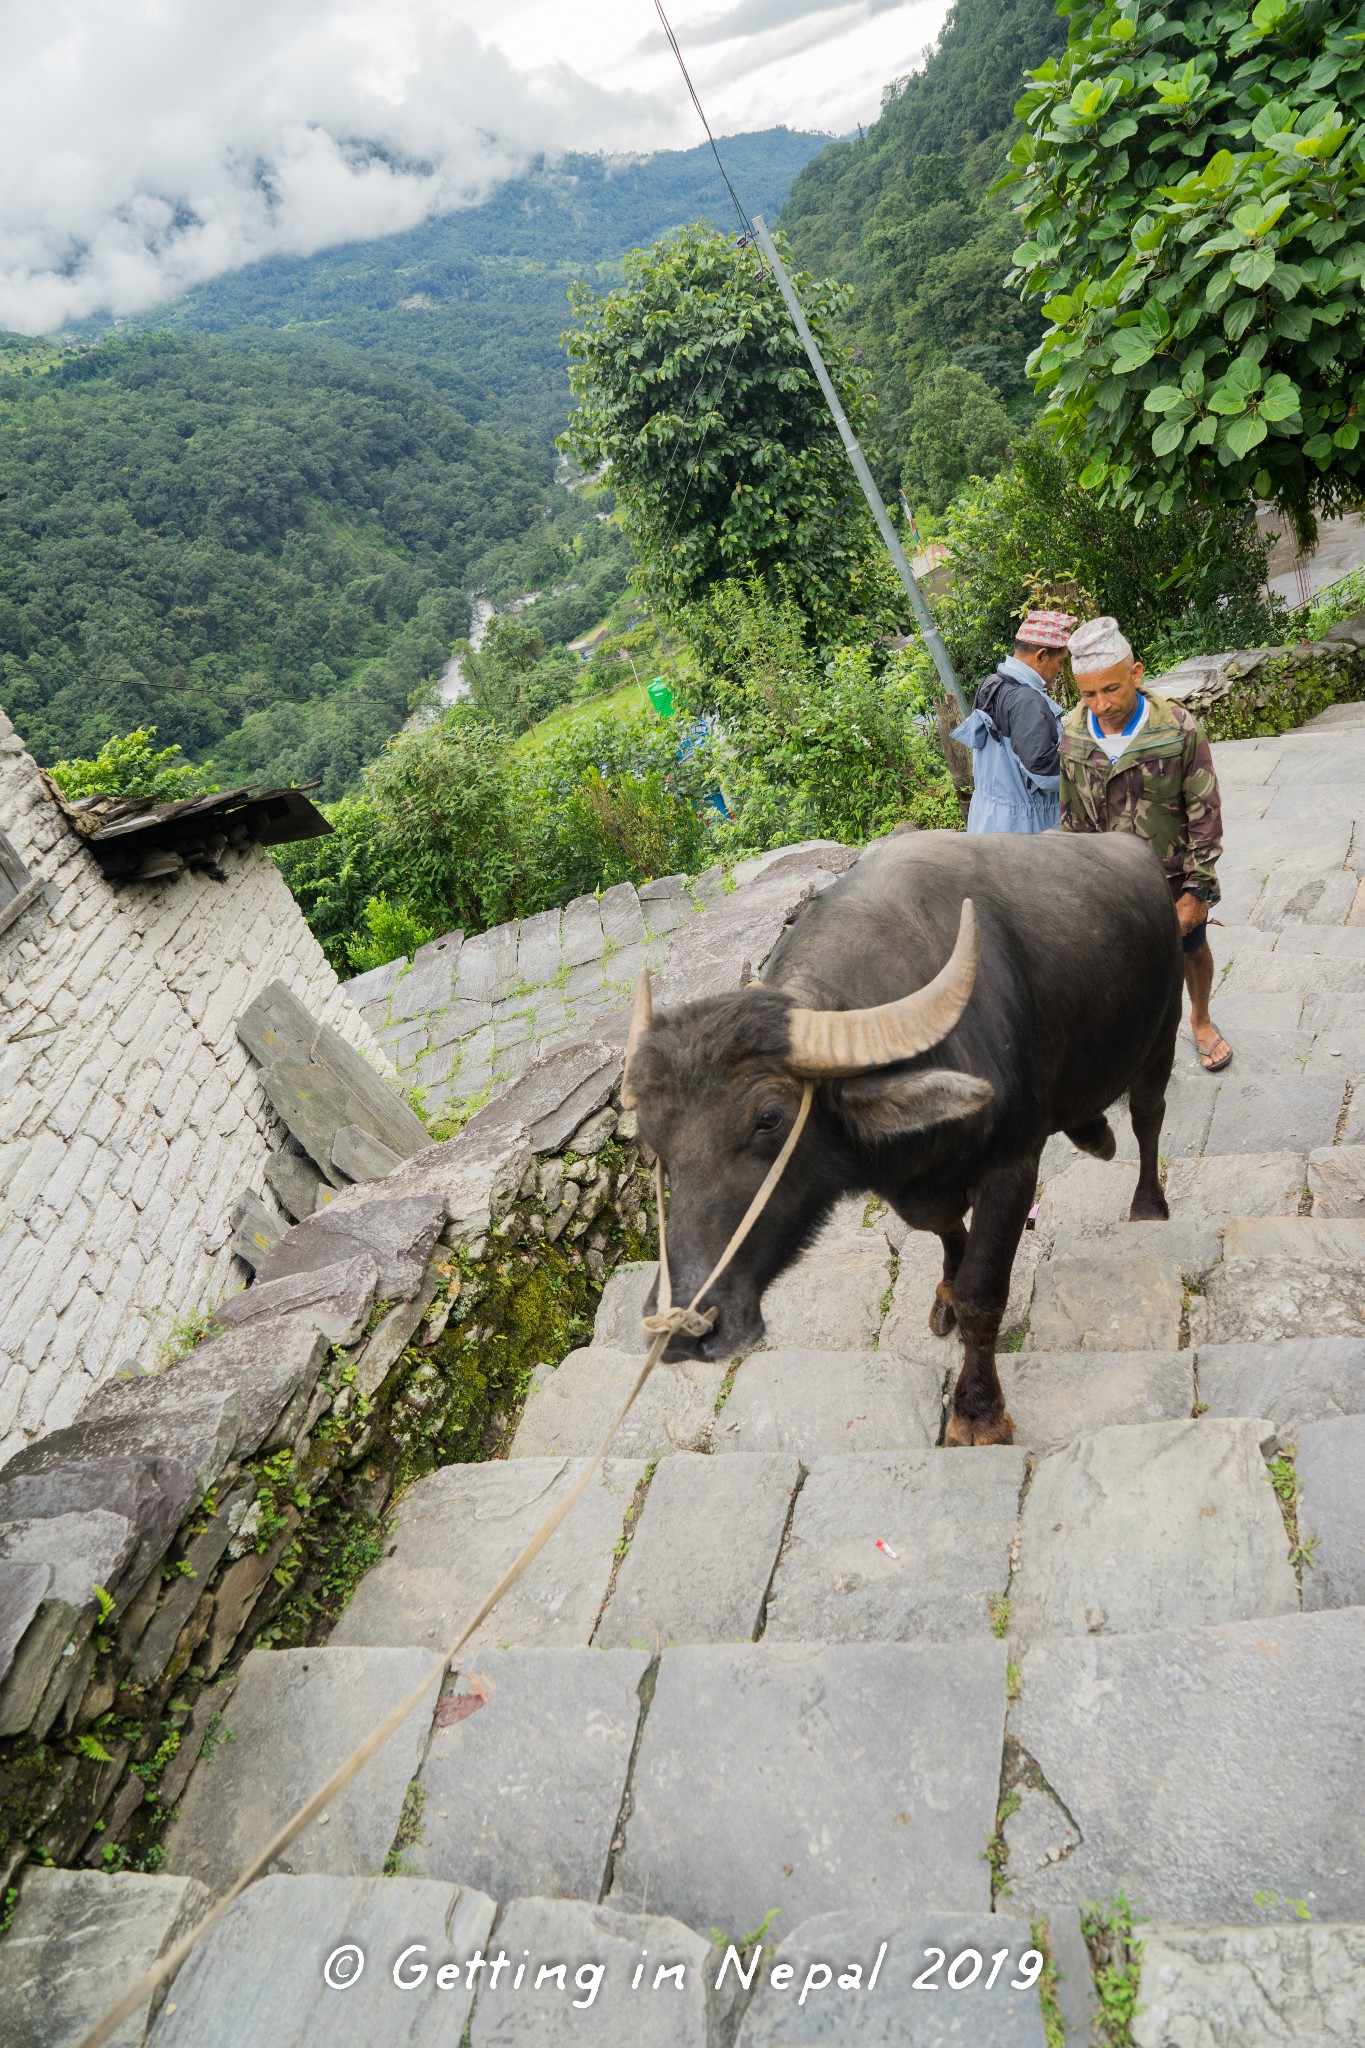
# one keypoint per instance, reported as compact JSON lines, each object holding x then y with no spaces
{"x":746,"y":225}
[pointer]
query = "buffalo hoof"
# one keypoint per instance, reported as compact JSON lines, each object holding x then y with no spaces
{"x":964,"y":1430}
{"x":942,"y":1316}
{"x":1150,"y":1210}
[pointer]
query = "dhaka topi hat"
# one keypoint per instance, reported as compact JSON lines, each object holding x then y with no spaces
{"x":1098,"y":644}
{"x":1045,"y":629}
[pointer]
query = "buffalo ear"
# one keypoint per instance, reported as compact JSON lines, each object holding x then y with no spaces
{"x":877,"y":1107}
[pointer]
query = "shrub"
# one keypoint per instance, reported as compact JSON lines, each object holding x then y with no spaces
{"x":127,"y":765}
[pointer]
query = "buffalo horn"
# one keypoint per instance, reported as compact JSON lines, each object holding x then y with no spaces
{"x":830,"y":1042}
{"x":641,"y":1017}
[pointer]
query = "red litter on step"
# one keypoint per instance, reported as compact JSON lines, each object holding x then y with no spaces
{"x":885,"y":1547}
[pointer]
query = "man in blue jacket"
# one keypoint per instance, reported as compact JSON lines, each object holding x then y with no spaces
{"x":1015,"y":729}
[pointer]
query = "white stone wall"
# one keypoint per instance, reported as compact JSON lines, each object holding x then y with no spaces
{"x":131,"y":1115}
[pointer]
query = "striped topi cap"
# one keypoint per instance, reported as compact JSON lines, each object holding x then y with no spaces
{"x":1045,"y":629}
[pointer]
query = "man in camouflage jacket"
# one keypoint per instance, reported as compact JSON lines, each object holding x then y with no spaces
{"x":1134,"y":761}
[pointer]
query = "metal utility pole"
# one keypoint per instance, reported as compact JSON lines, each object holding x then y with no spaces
{"x":932,"y":638}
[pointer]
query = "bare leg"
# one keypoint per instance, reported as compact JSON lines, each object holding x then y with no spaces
{"x":1199,"y":982}
{"x":980,"y":1292}
{"x":942,"y":1315}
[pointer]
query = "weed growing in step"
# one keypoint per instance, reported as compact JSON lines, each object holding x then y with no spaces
{"x":215,"y":1735}
{"x":1108,"y":1930}
{"x":1014,"y":1682}
{"x":182,"y":1336}
{"x":410,"y":1825}
{"x":1284,"y":1479}
{"x":1271,"y":1902}
{"x":1054,"y":2029}
{"x":998,"y":1608}
{"x":996,"y":1851}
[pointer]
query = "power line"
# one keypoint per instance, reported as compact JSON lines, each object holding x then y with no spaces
{"x":745,"y":224}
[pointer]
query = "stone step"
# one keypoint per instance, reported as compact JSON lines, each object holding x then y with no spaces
{"x":1053,"y":1396}
{"x":1293,"y":1381}
{"x":809,"y":2006}
{"x":793,"y":1777}
{"x":77,"y":1941}
{"x":569,"y":1407}
{"x":1192,"y":1243}
{"x":1257,"y":1987}
{"x":1212,"y":1773}
{"x":1092,"y":1191}
{"x":1275,"y":1112}
{"x":1151,"y":1526}
{"x":829,"y":1300}
{"x":1330,"y":1457}
{"x":702,"y":1552}
{"x":1320,"y":1239}
{"x":1253,"y":1300}
{"x":919,"y":1270}
{"x":521,"y":1787}
{"x":274,"y":1967}
{"x":947,"y":1524}
{"x":1336,"y":1178}
{"x":294,"y":1716}
{"x":816,"y":1404}
{"x":1108,"y":1300}
{"x":602,"y":2005}
{"x":454,"y":1534}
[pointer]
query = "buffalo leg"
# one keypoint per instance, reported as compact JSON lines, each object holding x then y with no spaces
{"x":943,"y":1315}
{"x":1147,"y":1107}
{"x":980,"y":1291}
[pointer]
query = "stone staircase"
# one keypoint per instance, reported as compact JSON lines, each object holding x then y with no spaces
{"x":790,"y":1667}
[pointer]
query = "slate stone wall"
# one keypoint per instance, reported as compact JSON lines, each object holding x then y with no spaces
{"x":131,"y":1118}
{"x":1260,"y":692}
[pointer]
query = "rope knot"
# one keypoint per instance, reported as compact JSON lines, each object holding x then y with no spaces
{"x":679,"y":1321}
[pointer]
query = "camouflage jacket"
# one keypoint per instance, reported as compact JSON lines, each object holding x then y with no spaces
{"x":1163,"y":787}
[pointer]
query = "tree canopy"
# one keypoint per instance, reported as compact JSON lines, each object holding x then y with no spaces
{"x":694,"y":389}
{"x":1192,"y":185}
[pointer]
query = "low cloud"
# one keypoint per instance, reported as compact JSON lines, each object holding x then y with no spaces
{"x":146,"y":145}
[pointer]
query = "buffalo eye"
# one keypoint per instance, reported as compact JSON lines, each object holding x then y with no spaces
{"x":771,"y":1118}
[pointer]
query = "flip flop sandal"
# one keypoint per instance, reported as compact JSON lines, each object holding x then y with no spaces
{"x":1207,"y":1059}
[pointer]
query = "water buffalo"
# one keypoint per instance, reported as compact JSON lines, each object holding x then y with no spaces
{"x":956,"y":1000}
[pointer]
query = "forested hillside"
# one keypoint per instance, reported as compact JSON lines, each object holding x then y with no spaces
{"x":478,"y":299}
{"x":259,"y":531}
{"x":903,"y":214}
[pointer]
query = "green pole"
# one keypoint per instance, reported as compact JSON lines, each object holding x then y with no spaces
{"x":932,"y":638}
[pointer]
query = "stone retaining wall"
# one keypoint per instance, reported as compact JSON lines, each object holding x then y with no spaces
{"x":1263,"y":691}
{"x":233,"y":1497}
{"x":131,"y":1119}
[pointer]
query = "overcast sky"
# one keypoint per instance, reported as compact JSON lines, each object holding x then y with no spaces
{"x":148,"y":144}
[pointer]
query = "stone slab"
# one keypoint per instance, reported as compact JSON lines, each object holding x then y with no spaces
{"x":720,"y":950}
{"x":840,"y":2011}
{"x":1329,"y":1463}
{"x":475,"y":1174}
{"x":1160,"y":1748}
{"x":601,"y":1950}
{"x":745,"y":1796}
{"x":1236,"y":1184}
{"x":295,"y":1716}
{"x":201,"y":1436}
{"x":455,"y":1533}
{"x":1250,"y":1987}
{"x":1054,"y":1396}
{"x":487,"y":967}
{"x":554,"y":1094}
{"x":254,"y":1231}
{"x":1283,"y":1112}
{"x":257,"y":1977}
{"x":919,"y":1270}
{"x":702,"y":1552}
{"x":538,"y":953}
{"x":617,"y":1327}
{"x":828,"y":1302}
{"x":294,"y":1182}
{"x":398,"y":1232}
{"x":358,"y":1154}
{"x":817,"y":1403}
{"x":1323,"y":1239}
{"x":85,"y":1547}
{"x":1292,"y":1382}
{"x":948,"y":1523}
{"x":1252,"y":1300}
{"x":335,"y":1298}
{"x":622,"y":921}
{"x":1192,"y":1244}
{"x":1153,"y":1526}
{"x":375,"y":985}
{"x":153,"y":1494}
{"x":23,"y":1588}
{"x":267,"y":1364}
{"x":78,"y":1939}
{"x":524,"y":1790}
{"x":1107,"y":1302}
{"x":313,"y":1105}
{"x":569,"y":1407}
{"x":429,"y":985}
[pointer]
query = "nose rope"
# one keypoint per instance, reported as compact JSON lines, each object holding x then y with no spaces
{"x":659,"y":1327}
{"x":668,"y":1321}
